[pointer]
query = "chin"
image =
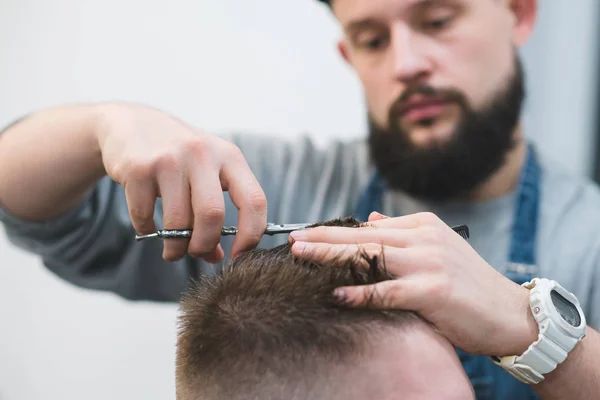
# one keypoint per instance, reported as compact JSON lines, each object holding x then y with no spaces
{"x":429,"y":133}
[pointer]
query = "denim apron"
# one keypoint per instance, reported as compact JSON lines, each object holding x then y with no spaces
{"x":490,"y":381}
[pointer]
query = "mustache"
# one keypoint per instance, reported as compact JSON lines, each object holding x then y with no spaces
{"x":447,"y":95}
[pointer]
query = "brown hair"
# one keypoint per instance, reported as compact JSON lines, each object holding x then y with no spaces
{"x":268,"y":326}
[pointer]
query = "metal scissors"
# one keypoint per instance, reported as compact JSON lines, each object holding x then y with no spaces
{"x":272,"y":229}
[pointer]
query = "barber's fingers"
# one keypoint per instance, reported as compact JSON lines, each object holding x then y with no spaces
{"x":410,"y":221}
{"x":208,"y":207}
{"x":174,"y":189}
{"x":375,"y":216}
{"x":405,"y":294}
{"x":396,"y":261}
{"x":344,"y":235}
{"x":249,"y":198}
{"x":141,"y":193}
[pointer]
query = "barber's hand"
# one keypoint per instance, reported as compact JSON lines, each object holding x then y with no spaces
{"x":438,"y":275}
{"x":152,"y":154}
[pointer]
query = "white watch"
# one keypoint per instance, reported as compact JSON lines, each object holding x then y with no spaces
{"x":562,"y":325}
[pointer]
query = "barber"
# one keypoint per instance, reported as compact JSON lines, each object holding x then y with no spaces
{"x":479,"y":310}
{"x":444,"y":88}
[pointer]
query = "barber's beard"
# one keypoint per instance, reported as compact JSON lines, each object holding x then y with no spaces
{"x":456,"y":166}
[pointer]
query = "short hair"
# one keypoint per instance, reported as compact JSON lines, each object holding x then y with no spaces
{"x":268,"y":326}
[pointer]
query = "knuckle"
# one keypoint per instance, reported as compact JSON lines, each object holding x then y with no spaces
{"x":387,"y":298}
{"x":141,"y":214}
{"x":369,"y":296}
{"x":197,"y":146}
{"x":232,"y":152}
{"x":392,"y":298}
{"x":432,"y":234}
{"x":167,"y":161}
{"x":440,"y":288}
{"x":118,"y":171}
{"x":202,"y":246}
{"x":428,"y":218}
{"x":437,"y":259}
{"x":212,"y":214}
{"x":135,"y":169}
{"x":257,"y":201}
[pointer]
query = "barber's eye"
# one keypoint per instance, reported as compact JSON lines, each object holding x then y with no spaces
{"x":437,"y":23}
{"x":373,"y":44}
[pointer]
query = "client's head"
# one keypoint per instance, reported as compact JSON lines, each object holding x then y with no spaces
{"x":268,"y":327}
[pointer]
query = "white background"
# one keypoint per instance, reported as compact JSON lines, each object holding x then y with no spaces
{"x":255,"y":66}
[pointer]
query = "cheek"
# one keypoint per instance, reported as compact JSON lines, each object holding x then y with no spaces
{"x":378,"y":89}
{"x":477,"y":64}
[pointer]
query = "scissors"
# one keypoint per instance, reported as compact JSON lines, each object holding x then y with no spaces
{"x":272,"y":229}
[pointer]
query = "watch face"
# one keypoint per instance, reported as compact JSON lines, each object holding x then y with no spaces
{"x":565,"y":308}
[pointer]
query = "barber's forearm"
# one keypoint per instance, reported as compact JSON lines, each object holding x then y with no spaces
{"x":578,"y":377}
{"x":48,"y":161}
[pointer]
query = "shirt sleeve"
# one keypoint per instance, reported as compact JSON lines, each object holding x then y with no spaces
{"x":93,"y":246}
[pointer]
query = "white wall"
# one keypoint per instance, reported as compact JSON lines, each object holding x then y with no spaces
{"x":256,"y":66}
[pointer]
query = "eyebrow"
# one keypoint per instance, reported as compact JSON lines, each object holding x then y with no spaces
{"x":366,"y":23}
{"x":355,"y":26}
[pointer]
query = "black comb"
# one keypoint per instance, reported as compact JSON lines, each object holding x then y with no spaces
{"x":463,"y":231}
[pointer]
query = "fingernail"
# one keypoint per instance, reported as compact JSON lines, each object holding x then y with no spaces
{"x":377,"y":214}
{"x":299,"y":235}
{"x":300,"y":246}
{"x":341,"y":295}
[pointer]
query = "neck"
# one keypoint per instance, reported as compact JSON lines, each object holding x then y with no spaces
{"x":506,"y":178}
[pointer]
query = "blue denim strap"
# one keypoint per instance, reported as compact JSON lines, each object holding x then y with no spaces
{"x":371,"y":198}
{"x":522,"y":263}
{"x":524,"y":231}
{"x":489,"y":381}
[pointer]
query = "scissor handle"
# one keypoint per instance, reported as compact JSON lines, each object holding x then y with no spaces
{"x":166,"y":234}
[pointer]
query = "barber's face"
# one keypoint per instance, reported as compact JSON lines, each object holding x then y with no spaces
{"x":433,"y":72}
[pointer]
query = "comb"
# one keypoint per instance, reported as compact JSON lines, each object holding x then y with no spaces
{"x":463,"y":231}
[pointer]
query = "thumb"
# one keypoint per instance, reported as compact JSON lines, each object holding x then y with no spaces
{"x":382,"y":295}
{"x":375,"y":216}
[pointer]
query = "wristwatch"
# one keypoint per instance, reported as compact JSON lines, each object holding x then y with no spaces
{"x":562,"y":325}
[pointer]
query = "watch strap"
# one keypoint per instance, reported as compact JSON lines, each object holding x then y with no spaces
{"x":550,"y":349}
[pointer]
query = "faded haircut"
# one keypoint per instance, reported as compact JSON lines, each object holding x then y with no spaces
{"x":269,"y":327}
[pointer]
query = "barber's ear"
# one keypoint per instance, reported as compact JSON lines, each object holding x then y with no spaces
{"x":342,"y":46}
{"x":525,"y":13}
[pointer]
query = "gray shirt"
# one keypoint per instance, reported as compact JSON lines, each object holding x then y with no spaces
{"x":93,"y":244}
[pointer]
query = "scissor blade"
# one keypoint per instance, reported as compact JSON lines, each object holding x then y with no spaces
{"x":274,"y":229}
{"x":149,"y":236}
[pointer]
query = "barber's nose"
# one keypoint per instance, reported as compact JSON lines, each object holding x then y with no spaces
{"x":409,"y":61}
